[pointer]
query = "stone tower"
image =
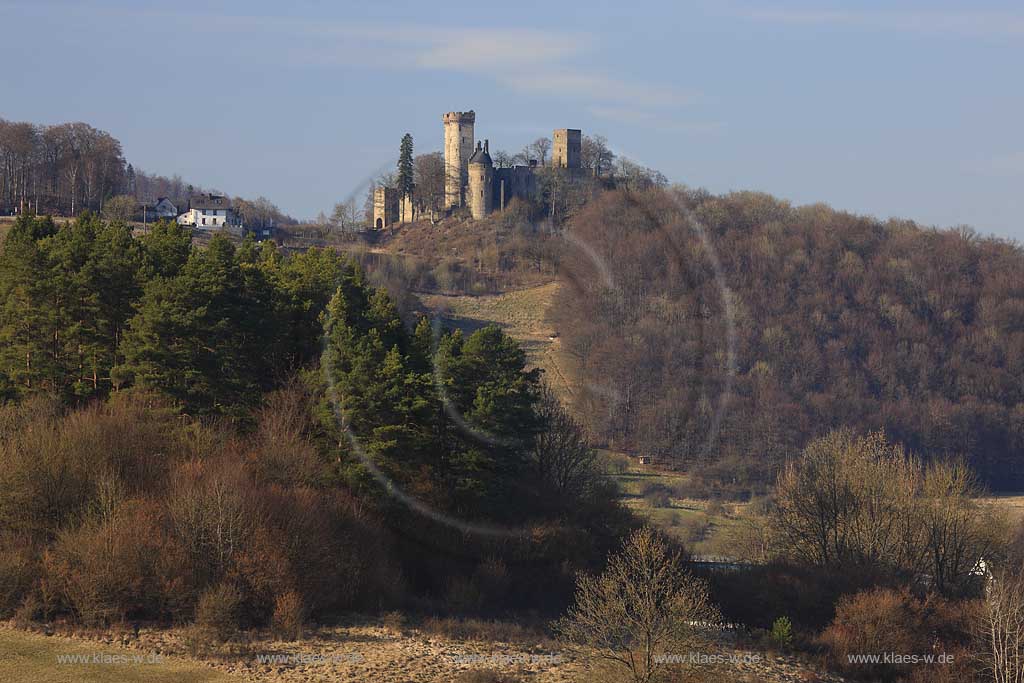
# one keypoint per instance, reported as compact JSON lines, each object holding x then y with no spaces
{"x":385,"y":207}
{"x":566,"y":147}
{"x":480,"y":191}
{"x":458,"y":147}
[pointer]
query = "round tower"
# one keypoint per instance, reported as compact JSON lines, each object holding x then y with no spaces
{"x":480,"y":192}
{"x":458,"y":147}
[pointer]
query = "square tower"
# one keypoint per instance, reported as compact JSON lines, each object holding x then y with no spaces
{"x":385,"y":207}
{"x":458,"y":148}
{"x":566,"y":146}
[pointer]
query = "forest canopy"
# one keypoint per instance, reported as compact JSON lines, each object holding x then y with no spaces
{"x":828,"y":319}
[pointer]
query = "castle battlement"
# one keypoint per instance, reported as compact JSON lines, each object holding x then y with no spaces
{"x":460,"y":117}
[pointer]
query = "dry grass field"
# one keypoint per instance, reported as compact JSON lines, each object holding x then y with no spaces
{"x":35,"y":658}
{"x":1014,"y":504}
{"x":351,"y":654}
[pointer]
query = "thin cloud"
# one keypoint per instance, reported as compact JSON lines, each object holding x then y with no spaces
{"x":501,"y":50}
{"x":600,"y":88}
{"x":967,"y":22}
{"x":639,"y":117}
{"x":525,"y":60}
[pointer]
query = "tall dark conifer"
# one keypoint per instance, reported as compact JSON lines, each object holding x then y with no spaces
{"x":405,"y":172}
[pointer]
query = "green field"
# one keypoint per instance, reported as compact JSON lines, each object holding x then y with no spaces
{"x":33,"y":658}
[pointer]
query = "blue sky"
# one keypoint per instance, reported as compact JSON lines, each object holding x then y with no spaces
{"x":910,"y":109}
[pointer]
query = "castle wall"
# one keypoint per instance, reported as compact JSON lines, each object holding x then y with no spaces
{"x":458,"y":147}
{"x":520,"y":181}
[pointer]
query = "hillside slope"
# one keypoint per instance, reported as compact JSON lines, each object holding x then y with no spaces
{"x":734,"y":329}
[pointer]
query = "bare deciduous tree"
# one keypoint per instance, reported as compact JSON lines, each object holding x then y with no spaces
{"x":428,"y":172}
{"x":643,"y":611}
{"x":595,"y":155}
{"x":346,"y":215}
{"x":119,"y":208}
{"x":539,"y":149}
{"x":852,"y":500}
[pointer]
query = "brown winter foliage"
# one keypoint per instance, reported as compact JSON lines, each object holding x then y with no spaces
{"x":732,"y":330}
{"x":123,"y":510}
{"x":885,"y":621}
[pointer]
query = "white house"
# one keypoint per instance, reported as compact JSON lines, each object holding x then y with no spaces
{"x":209,"y":212}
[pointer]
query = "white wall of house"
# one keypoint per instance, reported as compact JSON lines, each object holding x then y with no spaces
{"x":207,"y":218}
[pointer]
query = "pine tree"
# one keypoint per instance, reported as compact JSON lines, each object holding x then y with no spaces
{"x":166,"y":248}
{"x":28,"y":307}
{"x":405,"y":167}
{"x":209,"y":336}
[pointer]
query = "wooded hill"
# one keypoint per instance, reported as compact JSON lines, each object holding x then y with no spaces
{"x":836,"y":320}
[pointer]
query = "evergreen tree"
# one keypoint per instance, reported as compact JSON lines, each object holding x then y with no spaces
{"x":405,"y":167}
{"x":494,"y":399}
{"x":28,"y":317}
{"x":208,"y":336}
{"x":166,"y":248}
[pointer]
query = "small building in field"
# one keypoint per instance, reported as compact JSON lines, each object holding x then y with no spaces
{"x":209,"y":212}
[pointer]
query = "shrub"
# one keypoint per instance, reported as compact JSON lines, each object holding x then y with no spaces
{"x":283,"y":451}
{"x":118,"y":563}
{"x":755,"y":595}
{"x":715,"y":508}
{"x":217,"y":612}
{"x":492,"y":577}
{"x":782,"y":632}
{"x":886,"y":620}
{"x":18,"y":569}
{"x":30,"y":610}
{"x":657,"y":495}
{"x":289,"y":615}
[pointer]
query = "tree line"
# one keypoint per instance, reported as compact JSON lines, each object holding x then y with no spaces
{"x":69,"y":168}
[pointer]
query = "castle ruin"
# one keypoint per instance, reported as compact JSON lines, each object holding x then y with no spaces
{"x":471,"y":179}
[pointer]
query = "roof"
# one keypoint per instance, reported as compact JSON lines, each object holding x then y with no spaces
{"x":209,"y":201}
{"x":480,"y":156}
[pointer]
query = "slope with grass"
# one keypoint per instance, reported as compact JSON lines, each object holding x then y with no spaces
{"x":521,"y":313}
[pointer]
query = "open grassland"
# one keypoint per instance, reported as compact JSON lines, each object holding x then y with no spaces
{"x":1013,"y":503}
{"x":34,"y":658}
{"x":707,"y":527}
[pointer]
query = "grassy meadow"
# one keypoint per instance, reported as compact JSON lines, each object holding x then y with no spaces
{"x":35,"y":658}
